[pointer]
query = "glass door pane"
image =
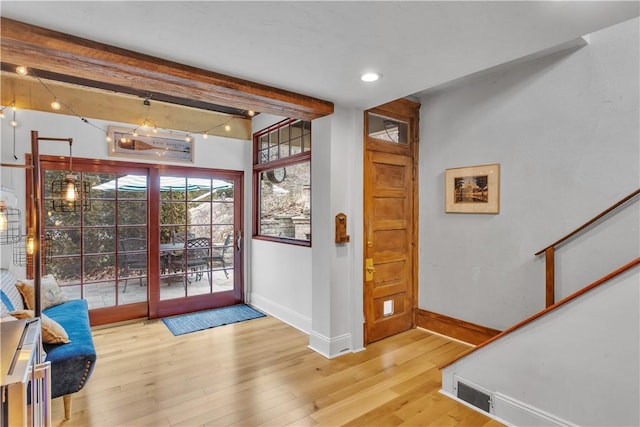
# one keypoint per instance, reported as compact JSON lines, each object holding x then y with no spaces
{"x":91,"y":258}
{"x":197,"y":222}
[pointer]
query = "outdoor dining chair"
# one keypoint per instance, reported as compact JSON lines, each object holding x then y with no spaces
{"x":220,"y":252}
{"x":197,"y":258}
{"x":132,"y":257}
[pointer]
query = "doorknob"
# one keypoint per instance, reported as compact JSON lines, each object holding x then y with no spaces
{"x":369,"y":269}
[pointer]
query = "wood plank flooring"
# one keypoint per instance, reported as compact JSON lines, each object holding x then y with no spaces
{"x":261,"y":373}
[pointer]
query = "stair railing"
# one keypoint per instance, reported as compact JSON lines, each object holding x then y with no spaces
{"x":628,"y":266}
{"x":549,"y":251}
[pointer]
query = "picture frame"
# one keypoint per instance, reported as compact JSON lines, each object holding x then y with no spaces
{"x":132,"y":143}
{"x":473,"y":189}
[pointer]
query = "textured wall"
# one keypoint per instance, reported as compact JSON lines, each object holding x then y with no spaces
{"x":565,"y":130}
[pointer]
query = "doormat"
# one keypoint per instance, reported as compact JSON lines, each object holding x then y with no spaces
{"x":201,"y":320}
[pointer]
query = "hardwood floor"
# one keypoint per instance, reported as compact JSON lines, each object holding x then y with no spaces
{"x":260,"y":372}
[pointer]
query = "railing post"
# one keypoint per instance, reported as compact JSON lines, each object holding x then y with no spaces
{"x":550,"y":277}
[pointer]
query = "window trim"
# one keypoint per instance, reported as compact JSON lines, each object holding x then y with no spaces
{"x":260,"y":167}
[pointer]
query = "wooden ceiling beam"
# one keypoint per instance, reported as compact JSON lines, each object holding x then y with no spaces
{"x":106,"y":66}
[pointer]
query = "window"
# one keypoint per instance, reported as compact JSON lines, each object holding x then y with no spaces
{"x":282,"y":182}
{"x":387,"y":129}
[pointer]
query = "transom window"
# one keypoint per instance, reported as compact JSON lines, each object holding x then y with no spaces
{"x":387,"y":129}
{"x":282,"y":182}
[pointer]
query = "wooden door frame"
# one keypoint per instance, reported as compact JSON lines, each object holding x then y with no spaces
{"x":153,"y":307}
{"x":406,"y":110}
{"x":163,"y":308}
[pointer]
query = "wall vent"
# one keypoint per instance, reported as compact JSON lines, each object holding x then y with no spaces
{"x":473,"y":396}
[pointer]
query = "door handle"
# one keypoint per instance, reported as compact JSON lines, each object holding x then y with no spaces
{"x":239,"y":240}
{"x":369,"y":269}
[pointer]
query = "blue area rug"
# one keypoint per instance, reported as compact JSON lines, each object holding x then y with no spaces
{"x":192,"y":322}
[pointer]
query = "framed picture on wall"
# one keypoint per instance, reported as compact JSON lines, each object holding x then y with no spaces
{"x":148,"y":145}
{"x":473,"y":189}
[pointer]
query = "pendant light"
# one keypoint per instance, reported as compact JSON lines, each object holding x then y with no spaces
{"x":10,"y":217}
{"x":70,"y":195}
{"x":23,"y":251}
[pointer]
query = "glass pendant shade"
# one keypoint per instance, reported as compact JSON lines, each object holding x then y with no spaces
{"x":69,"y":195}
{"x":3,"y":219}
{"x":10,"y":224}
{"x":23,"y":251}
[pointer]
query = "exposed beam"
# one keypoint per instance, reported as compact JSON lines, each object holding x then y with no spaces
{"x":31,"y":94}
{"x":108,"y":66}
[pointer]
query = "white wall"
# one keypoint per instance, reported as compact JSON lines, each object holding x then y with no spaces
{"x":578,"y":363}
{"x":337,"y":268}
{"x":319,"y":289}
{"x":565,"y":130}
{"x":283,"y":290}
{"x":89,"y":142}
{"x":280,"y":274}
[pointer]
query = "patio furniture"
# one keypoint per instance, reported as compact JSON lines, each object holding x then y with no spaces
{"x":220,"y":252}
{"x":133,"y":257}
{"x":197,"y":259}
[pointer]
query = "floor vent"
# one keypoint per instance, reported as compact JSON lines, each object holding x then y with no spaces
{"x":473,"y":396}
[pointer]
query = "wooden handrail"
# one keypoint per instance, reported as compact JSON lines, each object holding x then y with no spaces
{"x":549,"y":251}
{"x":590,"y":222}
{"x":541,"y":313}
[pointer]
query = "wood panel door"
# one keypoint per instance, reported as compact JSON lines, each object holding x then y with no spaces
{"x":390,"y":215}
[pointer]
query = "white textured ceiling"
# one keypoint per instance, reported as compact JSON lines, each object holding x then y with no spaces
{"x":321,"y":48}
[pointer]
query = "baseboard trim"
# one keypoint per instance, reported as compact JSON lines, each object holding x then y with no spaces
{"x":330,"y":347}
{"x":454,"y":328}
{"x":280,"y":312}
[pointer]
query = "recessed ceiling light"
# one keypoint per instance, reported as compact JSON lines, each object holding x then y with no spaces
{"x":370,"y":77}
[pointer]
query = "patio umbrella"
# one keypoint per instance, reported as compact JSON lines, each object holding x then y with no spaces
{"x":167,"y":183}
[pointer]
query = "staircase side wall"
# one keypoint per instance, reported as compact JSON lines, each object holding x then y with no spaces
{"x":578,"y":363}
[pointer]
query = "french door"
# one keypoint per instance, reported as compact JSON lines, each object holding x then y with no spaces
{"x":153,"y":240}
{"x":200,"y":238}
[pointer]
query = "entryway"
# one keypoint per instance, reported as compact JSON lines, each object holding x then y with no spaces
{"x":390,"y":218}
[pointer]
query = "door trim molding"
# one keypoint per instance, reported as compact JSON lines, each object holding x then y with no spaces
{"x":401,"y":109}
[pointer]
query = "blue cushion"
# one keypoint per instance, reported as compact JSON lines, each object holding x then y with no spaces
{"x":6,"y":302}
{"x":71,"y":364}
{"x":8,"y":287}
